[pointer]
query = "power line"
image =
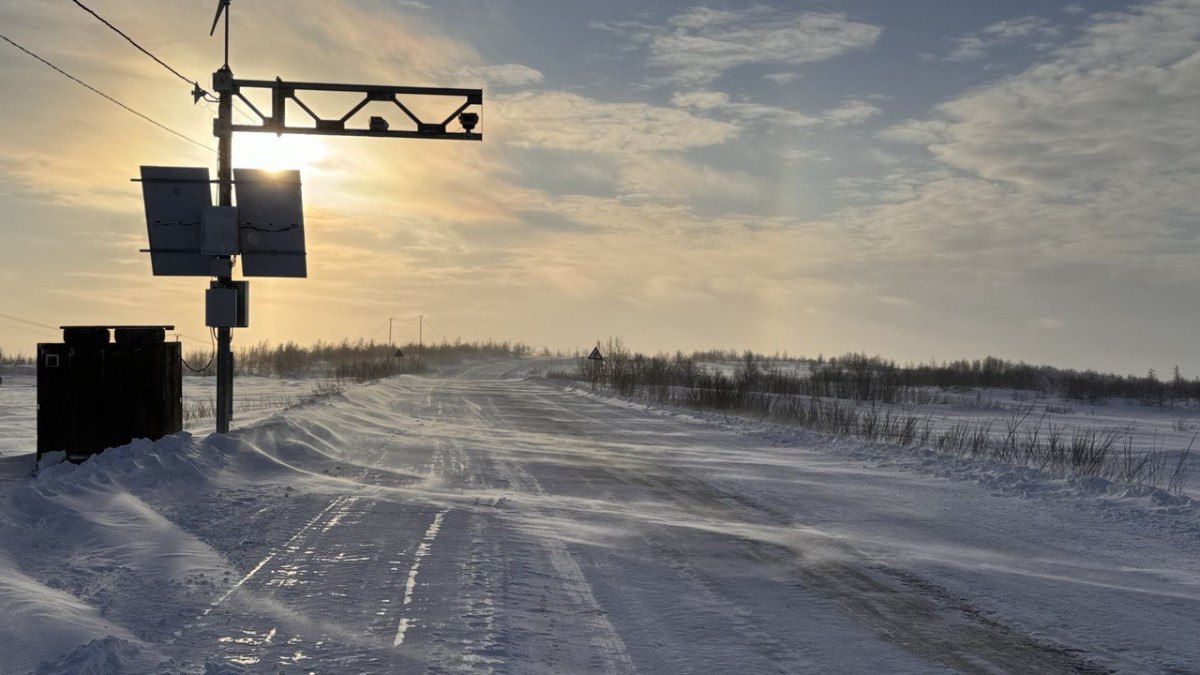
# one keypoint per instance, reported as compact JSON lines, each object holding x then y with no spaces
{"x":377,"y":330}
{"x":203,"y":93}
{"x":140,"y":48}
{"x":32,"y":331}
{"x":31,"y":323}
{"x":430,"y":327}
{"x":197,"y":91}
{"x":97,"y":91}
{"x":237,"y":110}
{"x":55,"y":329}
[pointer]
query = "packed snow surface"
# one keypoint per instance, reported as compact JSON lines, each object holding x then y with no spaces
{"x":483,"y":521}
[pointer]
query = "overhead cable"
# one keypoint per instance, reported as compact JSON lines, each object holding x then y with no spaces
{"x":31,"y":323}
{"x":24,"y":329}
{"x":18,"y":319}
{"x":198,"y":91}
{"x":97,"y":91}
{"x":427,"y":325}
{"x":140,"y":48}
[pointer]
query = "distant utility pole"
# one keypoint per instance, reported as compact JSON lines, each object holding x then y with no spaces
{"x":276,"y":122}
{"x":421,"y":337}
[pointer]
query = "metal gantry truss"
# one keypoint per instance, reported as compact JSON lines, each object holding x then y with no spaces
{"x":275,"y":120}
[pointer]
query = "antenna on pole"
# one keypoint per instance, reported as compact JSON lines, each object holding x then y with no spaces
{"x":222,"y":7}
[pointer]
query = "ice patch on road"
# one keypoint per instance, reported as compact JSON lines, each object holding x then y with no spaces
{"x":410,"y":586}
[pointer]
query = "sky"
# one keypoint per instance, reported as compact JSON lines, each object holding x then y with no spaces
{"x":924,"y":180}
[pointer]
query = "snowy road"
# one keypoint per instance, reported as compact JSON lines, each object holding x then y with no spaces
{"x":481,"y":522}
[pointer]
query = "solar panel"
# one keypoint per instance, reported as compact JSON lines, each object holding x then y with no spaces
{"x":270,"y":223}
{"x":175,"y":198}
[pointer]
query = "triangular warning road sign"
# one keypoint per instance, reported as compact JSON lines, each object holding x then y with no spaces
{"x":398,"y":355}
{"x":595,"y":355}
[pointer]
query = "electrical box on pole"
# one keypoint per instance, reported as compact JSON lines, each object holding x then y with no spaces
{"x":227,"y":305}
{"x":219,"y":230}
{"x":190,"y":236}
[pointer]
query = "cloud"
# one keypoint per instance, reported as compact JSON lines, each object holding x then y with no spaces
{"x":566,"y":121}
{"x":1023,"y":27}
{"x":973,"y":46}
{"x":1050,"y":323}
{"x":782,"y":78}
{"x":967,"y":48}
{"x":1086,"y":159}
{"x":714,"y":102}
{"x":915,"y":132}
{"x":1113,"y":111}
{"x":849,"y":112}
{"x":701,"y":44}
{"x":796,"y":156}
{"x":673,"y":179}
{"x":719,"y":102}
{"x":503,"y":76}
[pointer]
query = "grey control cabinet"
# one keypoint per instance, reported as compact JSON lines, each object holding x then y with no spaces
{"x":94,"y":394}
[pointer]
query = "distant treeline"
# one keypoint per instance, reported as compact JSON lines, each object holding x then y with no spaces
{"x":8,"y":359}
{"x":360,"y":360}
{"x":827,"y":400}
{"x":862,"y":378}
{"x":873,"y":376}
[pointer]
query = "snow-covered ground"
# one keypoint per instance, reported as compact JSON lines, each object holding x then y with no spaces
{"x":255,"y":398}
{"x":480,"y":521}
{"x":731,"y":368}
{"x":1167,"y":431}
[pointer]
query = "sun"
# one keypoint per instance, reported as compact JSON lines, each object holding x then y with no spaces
{"x":273,"y":152}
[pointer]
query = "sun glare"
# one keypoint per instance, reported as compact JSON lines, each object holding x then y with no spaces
{"x":268,"y":151}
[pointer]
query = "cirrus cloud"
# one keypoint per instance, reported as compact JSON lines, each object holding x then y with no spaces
{"x":852,"y":111}
{"x":700,"y":44}
{"x":565,"y":121}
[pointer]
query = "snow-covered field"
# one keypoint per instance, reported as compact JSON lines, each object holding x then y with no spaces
{"x":481,"y":521}
{"x":1168,"y":431}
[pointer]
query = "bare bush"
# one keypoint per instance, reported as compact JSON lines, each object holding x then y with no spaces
{"x":856,"y":406}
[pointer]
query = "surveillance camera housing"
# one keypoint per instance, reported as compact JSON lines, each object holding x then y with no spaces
{"x":468,"y":121}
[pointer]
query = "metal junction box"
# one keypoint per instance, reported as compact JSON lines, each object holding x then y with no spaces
{"x":227,"y":304}
{"x":94,"y":394}
{"x":219,"y":230}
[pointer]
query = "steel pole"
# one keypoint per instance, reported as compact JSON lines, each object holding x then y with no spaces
{"x":224,"y":133}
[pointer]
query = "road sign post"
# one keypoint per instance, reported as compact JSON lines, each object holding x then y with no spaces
{"x":595,"y":362}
